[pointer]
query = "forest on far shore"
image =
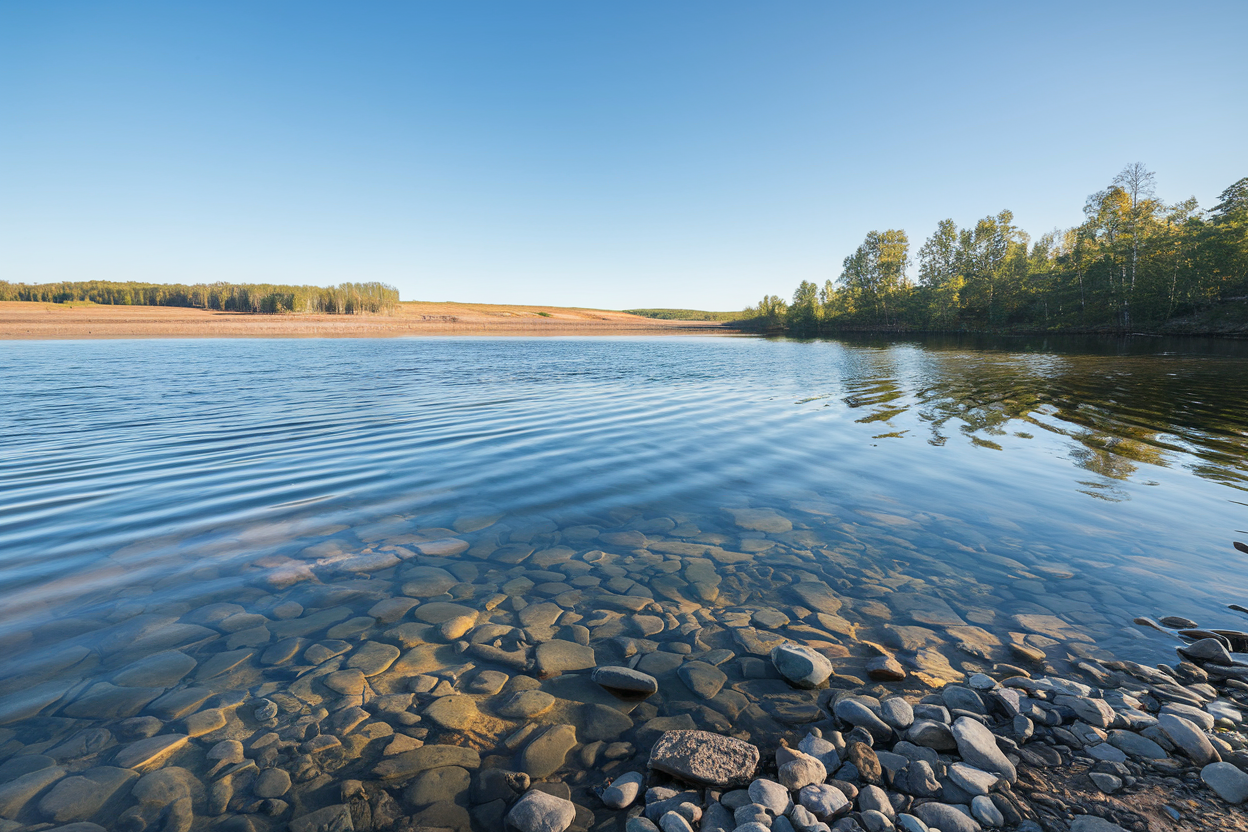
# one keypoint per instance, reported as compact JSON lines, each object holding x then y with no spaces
{"x":1135,"y":262}
{"x":259,"y":298}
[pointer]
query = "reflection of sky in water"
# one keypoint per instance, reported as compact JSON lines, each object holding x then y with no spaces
{"x":139,"y":463}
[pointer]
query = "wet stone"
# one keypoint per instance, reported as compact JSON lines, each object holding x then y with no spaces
{"x":15,"y":794}
{"x":659,"y":662}
{"x":178,"y":703}
{"x":885,"y":669}
{"x":205,"y":722}
{"x":703,"y":679}
{"x":222,"y":663}
{"x":526,"y":704}
{"x":351,"y":627}
{"x":456,"y":713}
{"x":373,"y":658}
{"x":545,"y":755}
{"x":79,"y":797}
{"x":426,"y":582}
{"x":391,"y":610}
{"x":818,"y":597}
{"x":272,"y":782}
{"x":557,"y":656}
{"x":347,"y":682}
{"x":335,"y":818}
{"x":488,"y":682}
{"x":437,"y":612}
{"x":107,"y":701}
{"x":324,"y":651}
{"x":445,"y":784}
{"x":162,"y":670}
{"x":150,"y":753}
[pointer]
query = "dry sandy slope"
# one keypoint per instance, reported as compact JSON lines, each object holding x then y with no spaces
{"x":50,"y":320}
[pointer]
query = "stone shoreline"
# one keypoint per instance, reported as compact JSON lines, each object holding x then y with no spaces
{"x":481,"y":677}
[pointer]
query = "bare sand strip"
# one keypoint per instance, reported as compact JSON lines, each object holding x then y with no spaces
{"x":74,"y":321}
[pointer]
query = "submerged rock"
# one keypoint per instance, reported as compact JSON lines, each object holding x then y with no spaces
{"x":625,"y":683}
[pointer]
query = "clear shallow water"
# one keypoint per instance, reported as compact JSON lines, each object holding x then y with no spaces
{"x":142,"y":480}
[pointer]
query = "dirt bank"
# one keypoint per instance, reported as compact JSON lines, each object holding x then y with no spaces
{"x":82,"y":320}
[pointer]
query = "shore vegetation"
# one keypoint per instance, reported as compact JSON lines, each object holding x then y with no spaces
{"x":1135,"y":263}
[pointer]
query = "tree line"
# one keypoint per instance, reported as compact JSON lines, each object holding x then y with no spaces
{"x":1134,"y":262}
{"x":343,"y":299}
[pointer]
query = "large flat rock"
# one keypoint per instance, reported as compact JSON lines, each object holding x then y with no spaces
{"x":704,"y":757}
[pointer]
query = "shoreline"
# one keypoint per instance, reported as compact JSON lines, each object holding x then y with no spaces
{"x":25,"y":321}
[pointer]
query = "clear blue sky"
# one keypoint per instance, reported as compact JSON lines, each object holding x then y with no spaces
{"x":690,"y":154}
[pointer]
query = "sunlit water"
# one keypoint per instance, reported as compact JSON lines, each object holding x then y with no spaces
{"x":141,"y":481}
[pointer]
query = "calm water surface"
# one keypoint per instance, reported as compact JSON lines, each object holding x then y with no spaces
{"x":150,"y":490}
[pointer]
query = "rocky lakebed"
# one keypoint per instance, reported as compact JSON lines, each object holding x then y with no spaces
{"x":765,"y":670}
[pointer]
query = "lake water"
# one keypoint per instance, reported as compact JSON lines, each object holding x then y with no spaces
{"x":189,"y":527}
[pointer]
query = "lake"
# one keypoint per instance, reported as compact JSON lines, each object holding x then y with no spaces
{"x":356,"y":545}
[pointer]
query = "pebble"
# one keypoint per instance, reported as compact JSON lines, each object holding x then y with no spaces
{"x":897,"y":713}
{"x":946,"y":818}
{"x":986,"y":812}
{"x":856,"y":712}
{"x":823,"y":801}
{"x":771,"y":795}
{"x":537,"y":811}
{"x":1188,"y":737}
{"x":623,"y":791}
{"x":978,"y":746}
{"x":802,"y":770}
{"x":1229,"y":782}
{"x":801,"y":666}
{"x":676,"y":822}
{"x":625,"y":683}
{"x":971,"y":779}
{"x":1107,"y":783}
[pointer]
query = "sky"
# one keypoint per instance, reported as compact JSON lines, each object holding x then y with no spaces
{"x":616,"y":155}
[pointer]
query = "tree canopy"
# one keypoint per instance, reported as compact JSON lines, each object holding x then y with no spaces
{"x":1134,"y":261}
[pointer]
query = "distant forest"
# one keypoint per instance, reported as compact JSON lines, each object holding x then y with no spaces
{"x":685,"y":314}
{"x":1134,"y":263}
{"x":344,"y":299}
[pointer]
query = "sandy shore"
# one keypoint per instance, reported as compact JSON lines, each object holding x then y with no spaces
{"x":50,"y":320}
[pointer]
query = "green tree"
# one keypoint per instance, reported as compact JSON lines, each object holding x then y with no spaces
{"x":875,"y":274}
{"x":803,"y":314}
